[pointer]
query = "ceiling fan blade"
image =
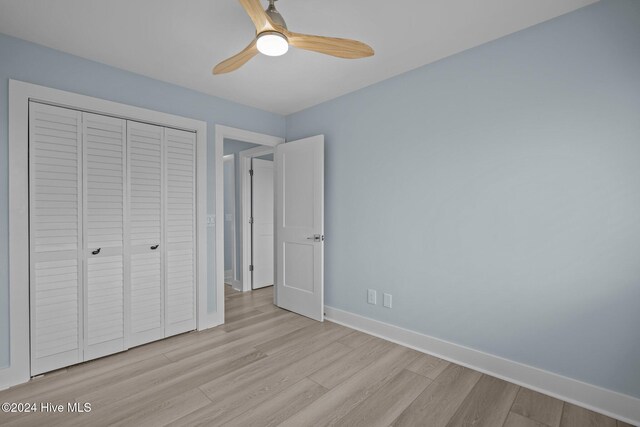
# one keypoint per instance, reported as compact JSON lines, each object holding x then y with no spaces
{"x":342,"y":48}
{"x":257,"y":14}
{"x":238,"y":60}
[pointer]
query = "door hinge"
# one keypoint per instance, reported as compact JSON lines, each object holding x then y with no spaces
{"x":250,"y":220}
{"x":251,"y":172}
{"x":251,"y":268}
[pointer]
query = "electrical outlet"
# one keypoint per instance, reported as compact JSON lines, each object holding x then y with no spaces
{"x":387,"y":300}
{"x":371,"y":296}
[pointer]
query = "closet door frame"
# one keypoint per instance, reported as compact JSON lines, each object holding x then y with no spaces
{"x":20,"y":93}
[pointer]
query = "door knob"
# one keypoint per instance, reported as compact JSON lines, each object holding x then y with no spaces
{"x":96,"y":252}
{"x":154,"y":247}
{"x":316,"y":238}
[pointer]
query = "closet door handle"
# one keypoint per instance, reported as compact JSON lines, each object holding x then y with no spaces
{"x":96,"y":252}
{"x":154,"y":247}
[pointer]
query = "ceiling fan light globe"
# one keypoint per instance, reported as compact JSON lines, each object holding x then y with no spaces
{"x":272,"y":44}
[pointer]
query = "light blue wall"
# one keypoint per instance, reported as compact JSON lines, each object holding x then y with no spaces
{"x":496,"y":195}
{"x":32,"y":63}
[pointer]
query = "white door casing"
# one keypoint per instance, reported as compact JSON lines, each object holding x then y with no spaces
{"x":230,"y":241}
{"x":299,"y":196}
{"x":145,"y":148}
{"x":262,"y":203}
{"x":55,"y":181}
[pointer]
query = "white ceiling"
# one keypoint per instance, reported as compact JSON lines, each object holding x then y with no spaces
{"x":179,"y":41}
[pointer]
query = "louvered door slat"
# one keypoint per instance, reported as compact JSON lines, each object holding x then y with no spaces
{"x":104,"y":201}
{"x":145,"y":148}
{"x":55,"y":159}
{"x":180,"y":231}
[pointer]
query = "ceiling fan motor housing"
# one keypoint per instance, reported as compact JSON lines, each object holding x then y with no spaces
{"x":275,"y":15}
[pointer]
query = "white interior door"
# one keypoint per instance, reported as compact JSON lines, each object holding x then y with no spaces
{"x":145,"y":152}
{"x":262,"y":227}
{"x":55,"y":174}
{"x":299,"y":199}
{"x":180,"y":290}
{"x":104,"y":145}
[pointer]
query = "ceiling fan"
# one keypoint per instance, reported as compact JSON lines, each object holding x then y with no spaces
{"x":273,"y":39}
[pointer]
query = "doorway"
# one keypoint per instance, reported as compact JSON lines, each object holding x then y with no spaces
{"x":233,"y":255}
{"x":257,"y":177}
{"x":248,"y":206}
{"x":298,"y":216}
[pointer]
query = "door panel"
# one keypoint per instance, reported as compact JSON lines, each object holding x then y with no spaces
{"x":299,"y":219}
{"x":262,"y":230}
{"x":55,"y":161}
{"x":104,"y":201}
{"x":145,"y":155}
{"x":180,"y":308}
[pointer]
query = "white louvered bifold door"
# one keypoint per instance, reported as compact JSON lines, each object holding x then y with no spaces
{"x":55,"y":159}
{"x":104,"y":201}
{"x":180,"y":226}
{"x":145,"y":154}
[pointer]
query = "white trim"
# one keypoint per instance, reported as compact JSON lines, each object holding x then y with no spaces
{"x":613,"y":404}
{"x":18,"y":370}
{"x":222,"y":133}
{"x":236,"y":285}
{"x":231,"y":275}
{"x":245,"y":210}
{"x":19,"y":95}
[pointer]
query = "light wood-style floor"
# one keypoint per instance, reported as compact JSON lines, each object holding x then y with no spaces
{"x":268,"y":367}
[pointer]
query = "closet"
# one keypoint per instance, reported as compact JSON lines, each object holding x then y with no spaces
{"x":112,"y":234}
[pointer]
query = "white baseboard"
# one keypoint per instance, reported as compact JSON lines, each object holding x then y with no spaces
{"x":10,"y":377}
{"x":236,"y":285}
{"x":228,"y":276}
{"x":613,"y":404}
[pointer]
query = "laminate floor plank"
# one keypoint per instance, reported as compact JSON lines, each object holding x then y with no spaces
{"x":383,"y":406}
{"x":538,"y":407}
{"x":280,"y":406}
{"x":171,"y":409}
{"x":298,"y":337}
{"x":575,"y":416}
{"x":230,"y":327}
{"x":268,"y":367}
{"x":517,"y":420}
{"x":428,"y":366}
{"x":356,"y":338}
{"x":437,"y":404}
{"x":336,"y":373}
{"x":337,"y":402}
{"x":487,"y":405}
{"x":244,"y":313}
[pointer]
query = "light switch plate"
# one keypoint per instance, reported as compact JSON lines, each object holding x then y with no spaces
{"x":371,"y":296}
{"x":386,"y":300}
